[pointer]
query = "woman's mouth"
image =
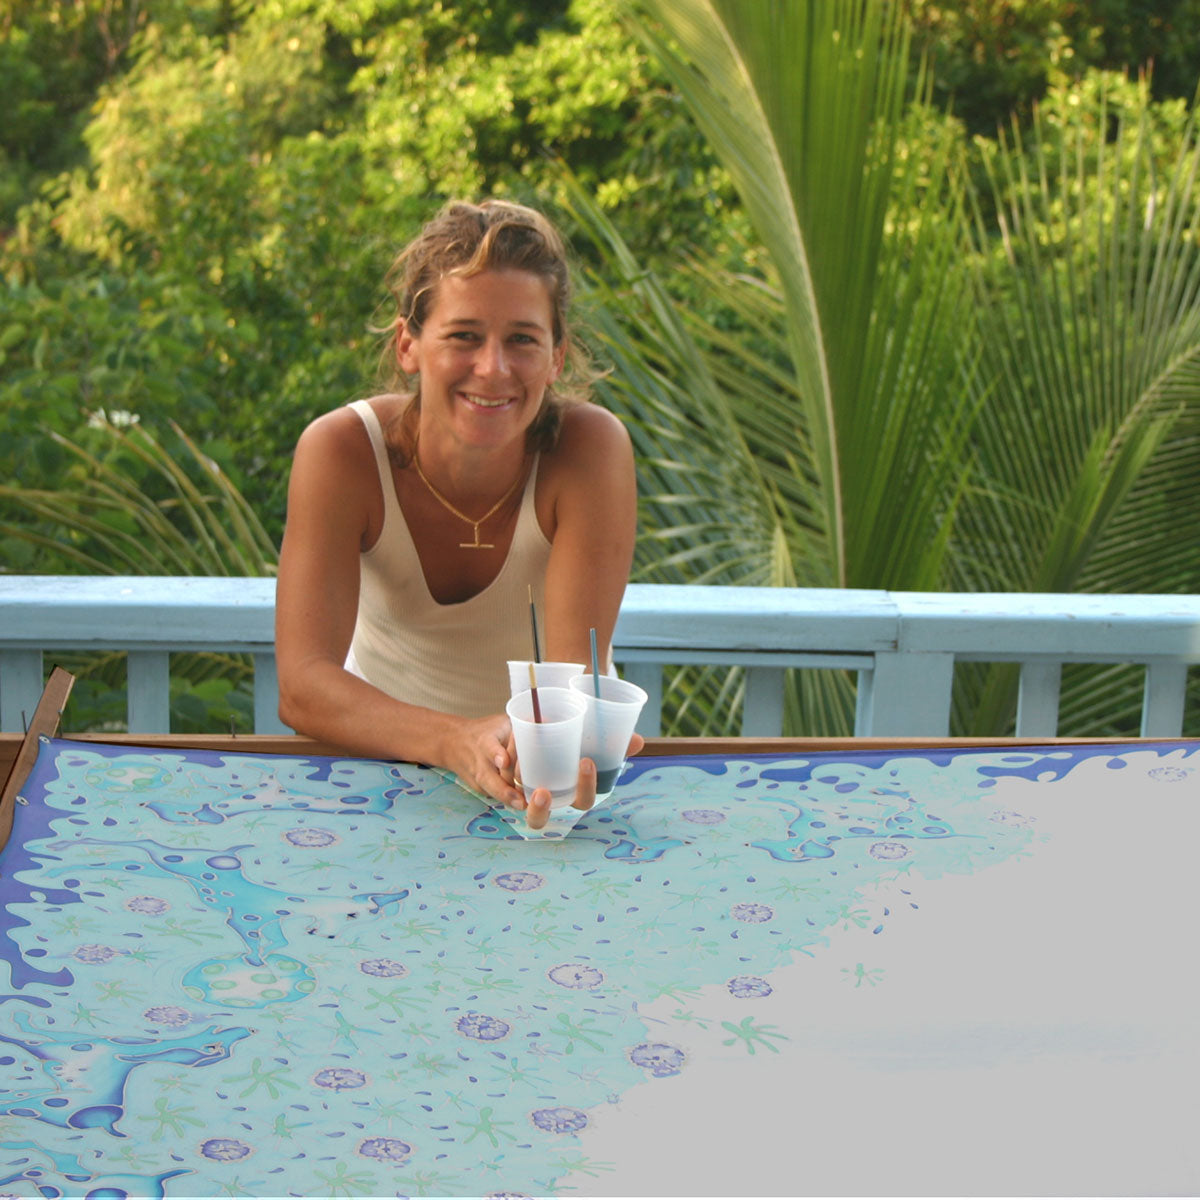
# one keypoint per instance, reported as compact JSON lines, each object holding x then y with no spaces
{"x":486,"y":401}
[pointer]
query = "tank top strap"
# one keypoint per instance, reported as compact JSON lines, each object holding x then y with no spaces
{"x":527,"y":523}
{"x":529,"y":495}
{"x":383,"y":464}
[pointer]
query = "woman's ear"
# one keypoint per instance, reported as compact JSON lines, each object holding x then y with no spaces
{"x":558,"y":358}
{"x":407,"y":358}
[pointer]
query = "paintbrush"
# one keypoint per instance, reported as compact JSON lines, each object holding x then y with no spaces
{"x":537,"y":708}
{"x":537,"y":653}
{"x":595,"y":664}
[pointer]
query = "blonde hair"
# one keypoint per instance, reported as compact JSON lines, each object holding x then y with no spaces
{"x":467,"y":239}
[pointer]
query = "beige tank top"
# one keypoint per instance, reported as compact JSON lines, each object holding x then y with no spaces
{"x":449,"y":657}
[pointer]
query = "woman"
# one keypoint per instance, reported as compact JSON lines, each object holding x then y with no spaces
{"x":419,"y":520}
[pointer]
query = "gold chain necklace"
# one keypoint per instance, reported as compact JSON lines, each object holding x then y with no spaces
{"x":476,"y":544}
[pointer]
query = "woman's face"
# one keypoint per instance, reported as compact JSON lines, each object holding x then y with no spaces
{"x":485,"y":357}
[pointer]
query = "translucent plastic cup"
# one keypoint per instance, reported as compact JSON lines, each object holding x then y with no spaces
{"x":608,"y":724}
{"x":548,"y":674}
{"x":548,"y":751}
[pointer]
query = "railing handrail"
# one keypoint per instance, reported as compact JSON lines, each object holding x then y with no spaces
{"x":903,"y":644}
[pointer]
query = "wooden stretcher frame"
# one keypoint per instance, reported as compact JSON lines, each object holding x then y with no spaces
{"x":16,"y":767}
{"x":18,"y":752}
{"x":46,"y":718}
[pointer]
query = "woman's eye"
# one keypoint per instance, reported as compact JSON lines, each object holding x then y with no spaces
{"x":472,"y":338}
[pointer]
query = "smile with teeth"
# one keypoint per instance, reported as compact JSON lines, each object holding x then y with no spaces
{"x":487,"y":401}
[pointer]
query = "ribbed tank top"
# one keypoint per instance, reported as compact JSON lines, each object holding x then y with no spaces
{"x":449,"y":657}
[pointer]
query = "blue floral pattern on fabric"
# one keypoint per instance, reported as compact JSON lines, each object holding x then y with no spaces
{"x":229,"y":974}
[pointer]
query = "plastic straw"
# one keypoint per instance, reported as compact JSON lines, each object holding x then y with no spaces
{"x":537,"y":708}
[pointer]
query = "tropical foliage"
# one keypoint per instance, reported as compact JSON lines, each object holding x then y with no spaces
{"x":129,"y":504}
{"x":208,"y":239}
{"x":861,"y":338}
{"x":915,"y":400}
{"x":994,"y":58}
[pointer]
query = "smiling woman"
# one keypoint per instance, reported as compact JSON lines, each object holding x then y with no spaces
{"x":420,"y":520}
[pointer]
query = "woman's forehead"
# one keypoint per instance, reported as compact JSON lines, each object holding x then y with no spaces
{"x":519,"y":296}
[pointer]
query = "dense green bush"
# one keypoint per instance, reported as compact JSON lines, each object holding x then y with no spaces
{"x":200,"y":202}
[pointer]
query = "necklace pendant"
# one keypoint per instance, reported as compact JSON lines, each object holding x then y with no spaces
{"x":462,"y":516}
{"x":476,"y":544}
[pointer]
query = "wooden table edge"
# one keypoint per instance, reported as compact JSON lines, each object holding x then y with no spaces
{"x":294,"y":745}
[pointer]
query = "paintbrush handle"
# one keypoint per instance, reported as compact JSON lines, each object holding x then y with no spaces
{"x":537,"y":708}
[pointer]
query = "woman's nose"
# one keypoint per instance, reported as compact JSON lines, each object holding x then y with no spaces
{"x":492,"y":358}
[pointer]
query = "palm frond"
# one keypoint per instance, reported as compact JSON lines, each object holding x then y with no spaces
{"x":108,"y":521}
{"x":1093,"y":345}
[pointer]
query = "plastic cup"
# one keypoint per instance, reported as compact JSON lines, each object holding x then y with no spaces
{"x":548,"y":674}
{"x":548,"y":750}
{"x":608,"y":724}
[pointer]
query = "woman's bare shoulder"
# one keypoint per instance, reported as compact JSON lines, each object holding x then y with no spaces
{"x":588,"y":428}
{"x":592,"y":458}
{"x":340,"y":433}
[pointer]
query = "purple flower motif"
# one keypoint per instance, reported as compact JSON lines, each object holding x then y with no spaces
{"x":703,"y":816}
{"x":383,"y":968}
{"x":385,"y":1149}
{"x":749,"y":987}
{"x":311,"y":837}
{"x":1168,"y":774}
{"x":659,"y":1058}
{"x":1011,"y":818}
{"x":150,"y":905}
{"x":93,"y":953}
{"x":225,"y":1149}
{"x":752,"y":914}
{"x":482,"y":1028}
{"x":576,"y":975}
{"x":168,"y":1014}
{"x":519,"y":881}
{"x":888,"y":851}
{"x":559,"y":1120}
{"x":339,"y":1079}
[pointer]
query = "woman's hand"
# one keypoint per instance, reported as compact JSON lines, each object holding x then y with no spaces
{"x":537,"y":811}
{"x":485,"y":760}
{"x":479,"y":752}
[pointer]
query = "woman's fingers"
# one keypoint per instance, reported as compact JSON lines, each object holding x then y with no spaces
{"x":537,"y":811}
{"x":500,"y":784}
{"x":585,"y":790}
{"x":494,"y":766}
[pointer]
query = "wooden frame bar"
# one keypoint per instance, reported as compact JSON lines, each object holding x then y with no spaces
{"x":24,"y":752}
{"x":301,"y":747}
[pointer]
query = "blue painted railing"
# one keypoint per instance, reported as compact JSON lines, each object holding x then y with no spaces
{"x":903,"y":645}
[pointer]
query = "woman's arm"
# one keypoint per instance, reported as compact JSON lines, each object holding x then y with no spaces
{"x":594,"y":522}
{"x":331,"y":495}
{"x":594,"y":492}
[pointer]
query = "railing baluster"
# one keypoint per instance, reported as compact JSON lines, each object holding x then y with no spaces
{"x":1163,"y":699}
{"x":266,"y":695}
{"x":648,"y":676}
{"x":149,"y":685}
{"x":762,"y":708}
{"x":907,"y":694}
{"x":20,"y":687}
{"x":1037,"y":699}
